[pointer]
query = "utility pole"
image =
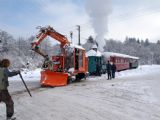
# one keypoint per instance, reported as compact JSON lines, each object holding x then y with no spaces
{"x":79,"y":30}
{"x":71,"y":35}
{"x":19,"y":45}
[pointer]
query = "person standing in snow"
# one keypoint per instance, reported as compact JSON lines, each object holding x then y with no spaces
{"x":4,"y":83}
{"x":113,"y":69}
{"x":98,"y":69}
{"x":109,"y":70}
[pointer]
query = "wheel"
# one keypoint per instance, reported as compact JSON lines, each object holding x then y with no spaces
{"x":69,"y":80}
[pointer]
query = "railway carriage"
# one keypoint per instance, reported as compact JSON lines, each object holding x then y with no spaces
{"x":133,"y":62}
{"x":94,"y":62}
{"x":97,"y":61}
{"x":122,"y":61}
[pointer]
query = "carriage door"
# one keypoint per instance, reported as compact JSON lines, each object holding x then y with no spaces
{"x":76,"y":59}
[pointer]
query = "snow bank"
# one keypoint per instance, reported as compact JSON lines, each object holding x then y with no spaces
{"x":141,"y":70}
{"x":33,"y":75}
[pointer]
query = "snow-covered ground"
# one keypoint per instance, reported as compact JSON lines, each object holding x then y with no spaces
{"x":133,"y":95}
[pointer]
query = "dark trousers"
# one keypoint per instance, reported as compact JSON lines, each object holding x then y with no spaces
{"x":113,"y":74}
{"x":6,"y":98}
{"x":109,"y":74}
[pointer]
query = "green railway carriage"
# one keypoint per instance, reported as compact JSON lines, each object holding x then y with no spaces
{"x":96,"y":65}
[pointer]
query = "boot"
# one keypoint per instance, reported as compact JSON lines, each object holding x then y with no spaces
{"x":11,"y":118}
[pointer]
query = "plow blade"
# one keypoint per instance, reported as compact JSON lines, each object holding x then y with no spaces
{"x":50,"y":78}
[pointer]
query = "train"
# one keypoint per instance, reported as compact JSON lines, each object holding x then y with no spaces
{"x":73,"y":63}
{"x":97,"y":61}
{"x":122,"y":61}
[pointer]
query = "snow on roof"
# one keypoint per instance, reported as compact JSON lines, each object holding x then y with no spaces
{"x":76,"y":46}
{"x":94,"y":46}
{"x":108,"y":54}
{"x":93,"y":53}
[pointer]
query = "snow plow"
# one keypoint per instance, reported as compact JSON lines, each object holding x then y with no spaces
{"x":58,"y":70}
{"x":49,"y":78}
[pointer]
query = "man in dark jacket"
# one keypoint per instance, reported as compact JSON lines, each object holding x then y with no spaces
{"x":113,"y":69}
{"x":4,"y":94}
{"x":109,"y":70}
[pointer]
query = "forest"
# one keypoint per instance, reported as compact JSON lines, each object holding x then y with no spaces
{"x":18,"y":50}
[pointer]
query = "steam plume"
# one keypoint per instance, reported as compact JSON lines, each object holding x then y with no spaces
{"x":99,"y":10}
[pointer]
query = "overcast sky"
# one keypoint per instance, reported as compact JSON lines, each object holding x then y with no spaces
{"x":133,"y":18}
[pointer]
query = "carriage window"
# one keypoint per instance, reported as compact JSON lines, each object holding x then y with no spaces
{"x":80,"y":58}
{"x":116,"y":60}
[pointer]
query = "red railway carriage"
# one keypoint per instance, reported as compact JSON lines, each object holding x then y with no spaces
{"x":121,"y":61}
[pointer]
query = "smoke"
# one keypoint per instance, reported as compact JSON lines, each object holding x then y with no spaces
{"x":98,"y":11}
